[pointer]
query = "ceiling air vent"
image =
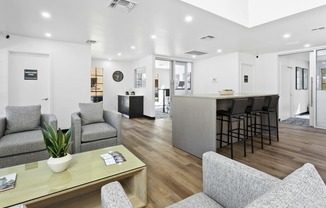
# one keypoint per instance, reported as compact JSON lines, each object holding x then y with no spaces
{"x":208,"y":37}
{"x":317,"y":29}
{"x":123,"y":5}
{"x":196,"y":53}
{"x":91,"y":41}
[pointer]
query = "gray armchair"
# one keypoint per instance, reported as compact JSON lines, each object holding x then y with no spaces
{"x":96,"y":135}
{"x":21,"y":139}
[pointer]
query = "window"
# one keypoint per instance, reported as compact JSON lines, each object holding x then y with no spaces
{"x":301,"y":77}
{"x":140,"y":77}
{"x":96,"y":84}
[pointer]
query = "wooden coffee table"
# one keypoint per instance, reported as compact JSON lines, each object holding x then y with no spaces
{"x":38,"y":186}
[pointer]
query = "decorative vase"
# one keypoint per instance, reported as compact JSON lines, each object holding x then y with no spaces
{"x":60,"y":164}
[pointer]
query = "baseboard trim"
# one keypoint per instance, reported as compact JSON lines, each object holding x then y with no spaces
{"x":149,"y":117}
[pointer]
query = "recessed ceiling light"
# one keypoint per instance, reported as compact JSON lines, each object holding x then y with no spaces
{"x":219,"y":50}
{"x":153,"y":36}
{"x":323,"y":62}
{"x":133,"y":47}
{"x":287,"y":35}
{"x":46,"y":15}
{"x":48,"y":35}
{"x":109,"y":59}
{"x":307,"y":45}
{"x":119,"y":54}
{"x":194,"y":56}
{"x":188,"y":18}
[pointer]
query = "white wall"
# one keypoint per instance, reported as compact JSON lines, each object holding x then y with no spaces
{"x":70,"y":73}
{"x":224,"y":68}
{"x":148,"y":91}
{"x":111,"y":88}
{"x":266,"y":73}
{"x":300,"y":98}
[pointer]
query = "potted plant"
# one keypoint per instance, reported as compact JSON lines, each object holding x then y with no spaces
{"x":57,"y":143}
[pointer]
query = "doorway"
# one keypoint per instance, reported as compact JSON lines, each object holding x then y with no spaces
{"x":162,"y":79}
{"x":29,"y":80}
{"x":294,"y":88}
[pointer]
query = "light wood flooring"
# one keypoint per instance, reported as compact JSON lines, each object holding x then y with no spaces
{"x":174,"y":175}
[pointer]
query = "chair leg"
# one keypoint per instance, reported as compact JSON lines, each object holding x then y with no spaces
{"x":269,"y":128}
{"x":221,"y":133}
{"x":244,"y":136}
{"x":251,"y":133}
{"x":230,"y":129}
{"x":261,"y":131}
{"x":276,"y":124}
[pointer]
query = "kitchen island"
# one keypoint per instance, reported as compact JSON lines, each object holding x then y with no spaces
{"x":194,"y":124}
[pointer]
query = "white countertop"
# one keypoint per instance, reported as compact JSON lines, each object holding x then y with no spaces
{"x":219,"y":97}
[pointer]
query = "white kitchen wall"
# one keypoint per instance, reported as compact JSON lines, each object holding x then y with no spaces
{"x":300,"y":98}
{"x":266,"y":73}
{"x":111,"y":88}
{"x":217,"y":73}
{"x":70,"y":73}
{"x":148,"y":91}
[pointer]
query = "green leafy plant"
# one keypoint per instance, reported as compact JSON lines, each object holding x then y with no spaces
{"x":56,"y":142}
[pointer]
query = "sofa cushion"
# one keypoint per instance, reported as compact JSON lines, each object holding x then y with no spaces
{"x":302,"y":188}
{"x":199,"y":200}
{"x":22,"y":118}
{"x":91,"y":113}
{"x":22,"y":142}
{"x":97,"y":131}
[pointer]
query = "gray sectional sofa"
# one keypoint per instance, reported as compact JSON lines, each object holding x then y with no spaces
{"x":228,"y":183}
{"x":21,"y":139}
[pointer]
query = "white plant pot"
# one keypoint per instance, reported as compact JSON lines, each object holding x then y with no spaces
{"x":60,"y":164}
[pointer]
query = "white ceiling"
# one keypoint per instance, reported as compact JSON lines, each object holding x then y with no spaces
{"x":79,"y":20}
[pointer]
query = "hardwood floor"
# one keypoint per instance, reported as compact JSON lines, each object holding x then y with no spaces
{"x":174,"y":175}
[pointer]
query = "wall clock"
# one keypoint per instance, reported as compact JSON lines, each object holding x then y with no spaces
{"x":117,"y":76}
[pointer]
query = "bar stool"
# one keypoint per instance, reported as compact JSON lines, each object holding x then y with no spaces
{"x":254,"y":111}
{"x":272,"y":103}
{"x":235,"y":114}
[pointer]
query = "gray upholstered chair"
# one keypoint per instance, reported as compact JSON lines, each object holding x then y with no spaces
{"x":21,"y":139}
{"x":95,"y":128}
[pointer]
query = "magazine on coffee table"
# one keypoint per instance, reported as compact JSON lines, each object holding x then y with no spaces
{"x":113,"y":157}
{"x":7,"y":182}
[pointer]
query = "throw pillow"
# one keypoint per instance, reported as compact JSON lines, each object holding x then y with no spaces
{"x":302,"y":188}
{"x":91,"y":113}
{"x":22,"y":118}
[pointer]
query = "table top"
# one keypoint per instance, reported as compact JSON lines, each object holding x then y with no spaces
{"x":222,"y":97}
{"x":35,"y":180}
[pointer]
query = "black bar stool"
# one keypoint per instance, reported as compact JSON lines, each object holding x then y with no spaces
{"x":272,"y":104}
{"x":254,"y":111}
{"x":235,"y":114}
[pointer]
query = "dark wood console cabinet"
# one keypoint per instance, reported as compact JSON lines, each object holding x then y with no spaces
{"x":131,"y":105}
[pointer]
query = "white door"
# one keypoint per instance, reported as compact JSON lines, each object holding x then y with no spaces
{"x":285,"y":106}
{"x":29,"y":80}
{"x":247,"y":78}
{"x":320,"y":89}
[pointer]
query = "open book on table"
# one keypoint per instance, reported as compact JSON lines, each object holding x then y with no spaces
{"x":113,"y":157}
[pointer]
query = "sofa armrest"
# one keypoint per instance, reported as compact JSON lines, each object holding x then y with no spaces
{"x":114,"y":119}
{"x":49,"y":119}
{"x":76,"y":132}
{"x":233,"y":184}
{"x":2,"y":126}
{"x":113,"y":195}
